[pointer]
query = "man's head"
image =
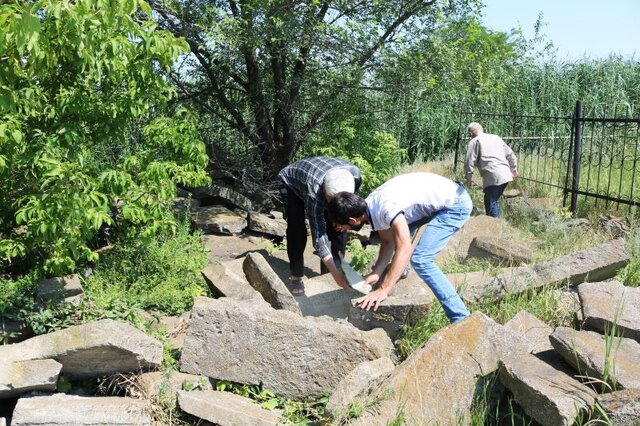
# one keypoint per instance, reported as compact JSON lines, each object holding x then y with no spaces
{"x":347,"y":210}
{"x":338,"y":180}
{"x":474,"y":129}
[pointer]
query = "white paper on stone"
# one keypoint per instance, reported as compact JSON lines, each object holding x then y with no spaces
{"x":356,"y":281}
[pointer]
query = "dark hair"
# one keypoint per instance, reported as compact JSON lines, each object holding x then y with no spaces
{"x":344,"y":205}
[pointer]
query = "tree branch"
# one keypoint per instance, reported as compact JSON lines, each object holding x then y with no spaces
{"x":412,"y":9}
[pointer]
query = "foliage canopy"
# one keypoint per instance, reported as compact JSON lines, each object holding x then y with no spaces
{"x":270,"y":73}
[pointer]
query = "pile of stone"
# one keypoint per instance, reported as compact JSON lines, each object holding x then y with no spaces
{"x":253,"y":331}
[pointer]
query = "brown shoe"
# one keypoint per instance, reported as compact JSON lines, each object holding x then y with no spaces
{"x":296,"y":287}
{"x":405,"y":272}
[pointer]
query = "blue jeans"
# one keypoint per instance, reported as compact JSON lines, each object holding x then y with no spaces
{"x":440,"y":229}
{"x":491,"y":196}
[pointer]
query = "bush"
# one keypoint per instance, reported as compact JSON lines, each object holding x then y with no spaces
{"x":376,"y":154}
{"x":161,"y":275}
{"x":16,"y":296}
{"x":75,"y":77}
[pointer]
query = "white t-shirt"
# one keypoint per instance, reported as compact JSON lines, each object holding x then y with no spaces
{"x":417,"y":195}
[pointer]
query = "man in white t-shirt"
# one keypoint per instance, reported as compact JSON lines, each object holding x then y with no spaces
{"x":496,"y":162}
{"x":397,"y":208}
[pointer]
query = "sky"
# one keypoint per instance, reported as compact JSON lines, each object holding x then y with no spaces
{"x":594,"y":28}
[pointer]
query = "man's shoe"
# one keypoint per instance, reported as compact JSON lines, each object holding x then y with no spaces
{"x":296,"y":287}
{"x":405,"y":273}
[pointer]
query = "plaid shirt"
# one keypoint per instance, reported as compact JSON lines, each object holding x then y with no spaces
{"x":305,"y":179}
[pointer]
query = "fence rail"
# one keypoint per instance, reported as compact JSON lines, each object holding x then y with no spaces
{"x":596,"y":158}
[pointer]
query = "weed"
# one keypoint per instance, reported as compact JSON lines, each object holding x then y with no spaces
{"x":414,"y":336}
{"x":296,"y":412}
{"x":274,"y":248}
{"x":17,"y":298}
{"x":163,"y":275}
{"x":360,"y":257}
{"x":630,"y":275}
{"x":543,"y":304}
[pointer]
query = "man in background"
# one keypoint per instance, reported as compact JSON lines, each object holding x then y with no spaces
{"x":496,"y":162}
{"x":306,"y":186}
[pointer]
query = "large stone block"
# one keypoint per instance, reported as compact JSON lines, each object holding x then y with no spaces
{"x":90,"y":350}
{"x":227,"y":409}
{"x":357,"y":385}
{"x":532,"y":329}
{"x":218,"y":219}
{"x":614,"y":361}
{"x":438,"y":383}
{"x":19,"y":377}
{"x":70,"y":410}
{"x":622,"y":408}
{"x":215,"y":193}
{"x":476,"y":226}
{"x":293,"y":356}
{"x":550,"y":396}
{"x":264,"y":279}
{"x":607,"y":303}
{"x":592,"y":264}
{"x":263,"y":224}
{"x":224,"y":282}
{"x":59,"y":288}
{"x":500,"y":251}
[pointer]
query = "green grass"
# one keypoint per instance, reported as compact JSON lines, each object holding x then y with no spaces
{"x":630,"y":275}
{"x":163,"y":275}
{"x":415,"y":336}
{"x":16,"y":295}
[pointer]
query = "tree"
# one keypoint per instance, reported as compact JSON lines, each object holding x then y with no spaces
{"x":74,"y":78}
{"x":459,"y":61}
{"x":276,"y":70}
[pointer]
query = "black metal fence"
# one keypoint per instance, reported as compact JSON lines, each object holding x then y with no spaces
{"x":597,"y":158}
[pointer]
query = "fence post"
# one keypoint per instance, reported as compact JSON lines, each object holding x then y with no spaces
{"x":577,"y":156}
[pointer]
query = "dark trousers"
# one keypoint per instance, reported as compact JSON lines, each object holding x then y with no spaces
{"x":297,"y":234}
{"x":491,"y":196}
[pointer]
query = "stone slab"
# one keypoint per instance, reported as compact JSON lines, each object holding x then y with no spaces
{"x":438,"y":382}
{"x":89,"y":350}
{"x":71,"y":410}
{"x":357,"y":385}
{"x":227,"y":409}
{"x":536,"y":332}
{"x":264,"y":279}
{"x":592,"y":264}
{"x":218,"y":219}
{"x":587,"y":352}
{"x":549,"y":396}
{"x":607,"y":303}
{"x":293,"y":356}
{"x":19,"y":377}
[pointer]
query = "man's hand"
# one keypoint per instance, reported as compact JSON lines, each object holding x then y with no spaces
{"x":338,"y":275}
{"x":514,"y":173}
{"x":342,"y":281}
{"x":372,"y":299}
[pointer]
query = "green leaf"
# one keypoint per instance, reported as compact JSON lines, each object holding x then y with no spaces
{"x":17,"y":136}
{"x":270,"y":404}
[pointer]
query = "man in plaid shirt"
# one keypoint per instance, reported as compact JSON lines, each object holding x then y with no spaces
{"x":305,"y":187}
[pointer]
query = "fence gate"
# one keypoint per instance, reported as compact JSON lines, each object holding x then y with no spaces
{"x":593,"y":157}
